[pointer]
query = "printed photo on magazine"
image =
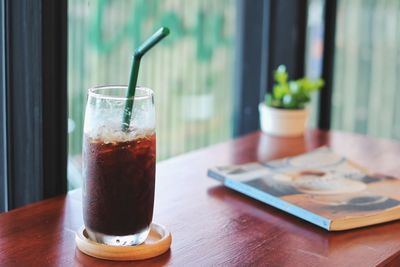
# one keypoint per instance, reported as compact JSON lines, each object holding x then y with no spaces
{"x":321,"y":187}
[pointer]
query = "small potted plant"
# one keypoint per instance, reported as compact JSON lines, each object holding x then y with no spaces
{"x":285,"y":111}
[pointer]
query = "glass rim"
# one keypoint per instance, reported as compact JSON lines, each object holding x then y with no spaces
{"x":93,"y":92}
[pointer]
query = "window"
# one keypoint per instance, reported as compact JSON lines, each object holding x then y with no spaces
{"x":191,"y":71}
{"x":209,"y":76}
{"x":366,"y":74}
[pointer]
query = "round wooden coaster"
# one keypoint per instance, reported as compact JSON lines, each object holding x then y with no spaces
{"x":158,"y":242}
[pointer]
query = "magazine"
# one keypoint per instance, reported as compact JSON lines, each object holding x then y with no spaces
{"x":321,"y":187}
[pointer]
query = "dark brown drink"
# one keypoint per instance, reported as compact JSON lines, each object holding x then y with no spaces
{"x":118,"y":192}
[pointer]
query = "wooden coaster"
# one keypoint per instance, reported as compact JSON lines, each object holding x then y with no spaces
{"x":157,"y":243}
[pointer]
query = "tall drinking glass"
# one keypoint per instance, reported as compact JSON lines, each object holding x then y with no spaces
{"x":118,"y":166}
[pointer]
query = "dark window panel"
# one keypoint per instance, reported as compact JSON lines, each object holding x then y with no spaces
{"x":36,"y":96}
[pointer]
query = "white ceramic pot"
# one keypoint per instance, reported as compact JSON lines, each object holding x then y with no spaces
{"x":282,"y":122}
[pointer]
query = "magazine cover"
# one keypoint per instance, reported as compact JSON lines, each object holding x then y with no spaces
{"x":321,"y":187}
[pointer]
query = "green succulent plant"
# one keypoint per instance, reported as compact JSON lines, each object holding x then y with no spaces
{"x":291,"y":94}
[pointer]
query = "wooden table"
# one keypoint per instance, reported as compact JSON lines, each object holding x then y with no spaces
{"x":212,"y":225}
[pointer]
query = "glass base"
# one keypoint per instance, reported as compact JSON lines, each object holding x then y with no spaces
{"x":114,"y":240}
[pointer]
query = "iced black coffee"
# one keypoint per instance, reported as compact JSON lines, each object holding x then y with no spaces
{"x":119,"y":170}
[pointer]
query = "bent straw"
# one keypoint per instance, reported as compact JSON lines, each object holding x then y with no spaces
{"x":139,"y":53}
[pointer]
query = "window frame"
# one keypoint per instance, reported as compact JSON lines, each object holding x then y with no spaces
{"x":3,"y":117}
{"x":260,"y":48}
{"x":325,"y":99}
{"x":34,"y":98}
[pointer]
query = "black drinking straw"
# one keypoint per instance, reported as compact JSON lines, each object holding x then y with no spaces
{"x":139,"y":53}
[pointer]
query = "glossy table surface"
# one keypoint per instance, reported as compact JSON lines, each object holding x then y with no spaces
{"x":212,"y":225}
